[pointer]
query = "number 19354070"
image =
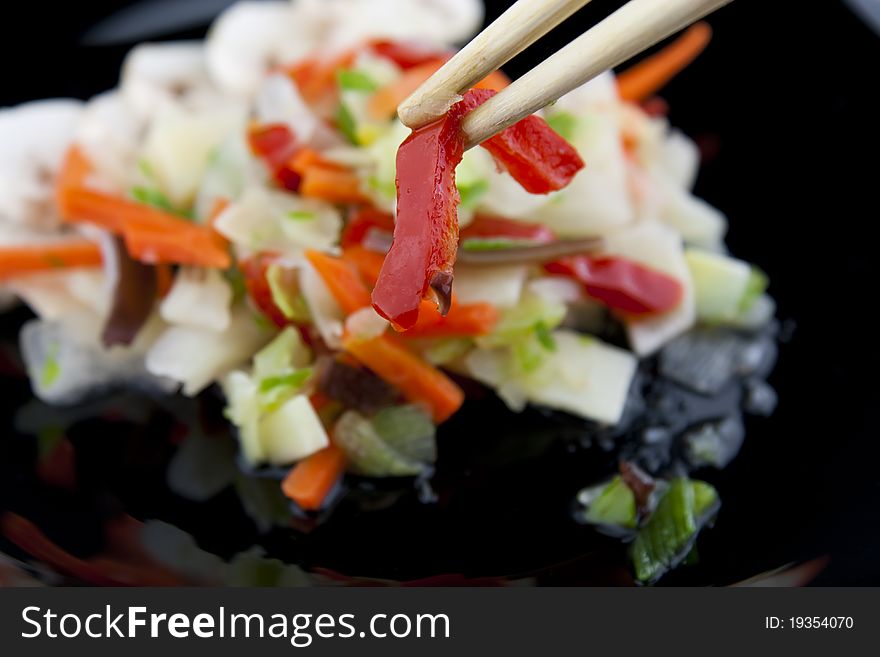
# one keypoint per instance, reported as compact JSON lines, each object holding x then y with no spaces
{"x":809,"y":623}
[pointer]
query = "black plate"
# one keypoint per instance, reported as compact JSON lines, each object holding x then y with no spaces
{"x":790,"y":119}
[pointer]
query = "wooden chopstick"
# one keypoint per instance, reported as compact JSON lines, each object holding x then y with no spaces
{"x":514,"y":31}
{"x":633,"y":28}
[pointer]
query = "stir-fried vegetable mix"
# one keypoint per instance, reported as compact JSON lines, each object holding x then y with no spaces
{"x":250,"y":212}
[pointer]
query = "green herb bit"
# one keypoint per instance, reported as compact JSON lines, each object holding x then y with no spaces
{"x":668,"y":536}
{"x":563,"y":123}
{"x":51,"y":368}
{"x":146,"y":169}
{"x":352,"y":80}
{"x":152,"y":196}
{"x":294,"y":380}
{"x":755,"y":287}
{"x":472,"y":193}
{"x":545,"y":336}
{"x":346,"y":123}
{"x":301,"y":215}
{"x":476,"y":244}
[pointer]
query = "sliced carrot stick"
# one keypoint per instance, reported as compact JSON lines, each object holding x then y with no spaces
{"x":383,"y":104}
{"x":219,"y":207}
{"x":74,"y":171}
{"x":648,"y":76}
{"x":419,"y":381}
{"x":196,"y":245}
{"x":31,"y":258}
{"x":156,"y":236}
{"x":316,"y":78}
{"x":332,"y":184}
{"x":308,"y":158}
{"x":496,"y":81}
{"x":311,"y":480}
{"x":462,"y":321}
{"x":368,"y":263}
{"x":342,"y":279}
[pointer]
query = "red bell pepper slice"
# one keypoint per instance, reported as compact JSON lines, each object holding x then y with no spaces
{"x":426,"y":231}
{"x":537,"y":157}
{"x":276,"y":145}
{"x":361,"y":222}
{"x":254,"y":270}
{"x":406,"y":54}
{"x":623,"y":285}
{"x":486,"y":227}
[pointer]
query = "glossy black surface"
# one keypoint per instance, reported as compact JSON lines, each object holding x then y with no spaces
{"x":793,"y":127}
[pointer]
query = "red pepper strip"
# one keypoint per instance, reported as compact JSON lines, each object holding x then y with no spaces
{"x":406,"y":54}
{"x":426,"y":231}
{"x":254,"y":270}
{"x":622,"y":285}
{"x":485,"y":227}
{"x":276,"y":145}
{"x":100,"y":571}
{"x":361,"y":222}
{"x":533,"y":153}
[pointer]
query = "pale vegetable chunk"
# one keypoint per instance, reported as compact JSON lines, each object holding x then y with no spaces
{"x":243,"y":409}
{"x":180,"y":144}
{"x":280,"y":222}
{"x":582,"y":376}
{"x":292,"y":432}
{"x":325,"y":312}
{"x":501,"y":286}
{"x":196,"y":357}
{"x":199,"y":299}
{"x":720,"y":283}
{"x":660,"y":248}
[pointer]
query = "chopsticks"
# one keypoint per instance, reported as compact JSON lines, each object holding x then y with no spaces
{"x":633,"y":28}
{"x":520,"y":26}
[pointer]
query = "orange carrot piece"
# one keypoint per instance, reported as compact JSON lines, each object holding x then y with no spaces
{"x":332,"y":184}
{"x":164,"y":280}
{"x":219,"y":207}
{"x":74,"y":171}
{"x":308,"y":158}
{"x":342,"y":279}
{"x":311,"y":480}
{"x":383,"y":104}
{"x":31,"y":258}
{"x":368,"y":263}
{"x":648,"y":76}
{"x":419,"y":381}
{"x":197,"y":245}
{"x":316,"y":78}
{"x":496,"y":81}
{"x":151,"y":235}
{"x":462,"y":321}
